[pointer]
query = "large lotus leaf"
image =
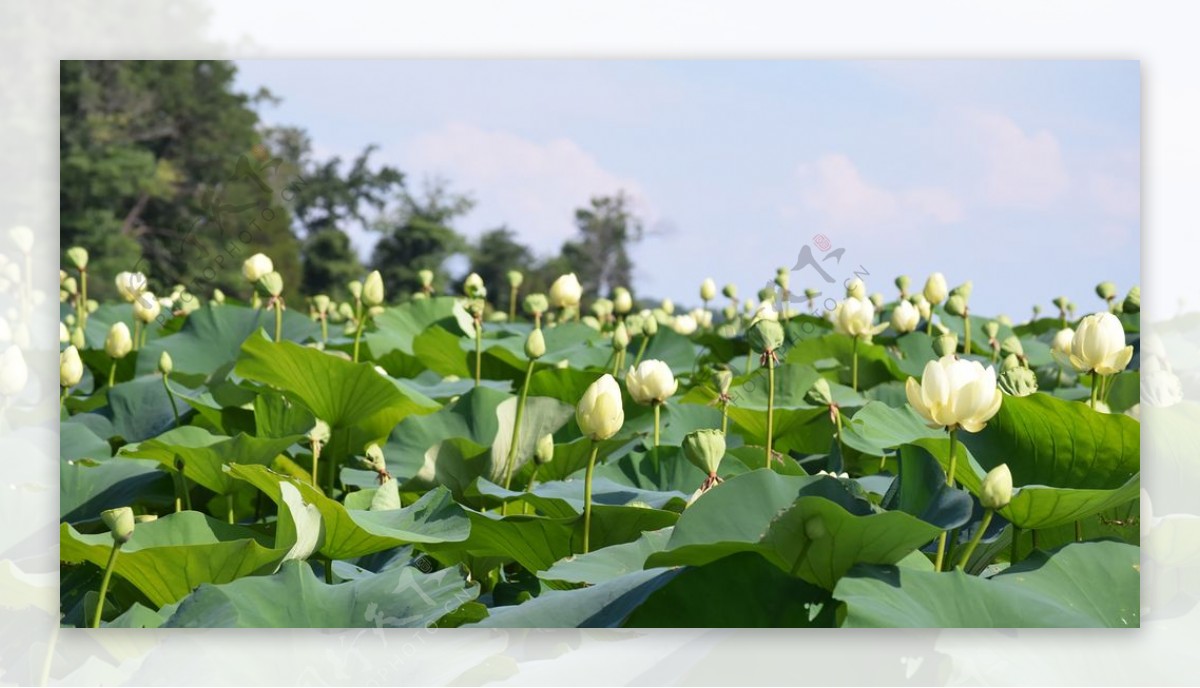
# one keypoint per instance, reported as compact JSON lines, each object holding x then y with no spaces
{"x":277,"y":416}
{"x":140,"y":408}
{"x":916,"y":349}
{"x":402,"y":597}
{"x":442,"y":351}
{"x":212,"y":337}
{"x":671,"y":348}
{"x":921,"y":490}
{"x":877,"y":427}
{"x":348,"y":533}
{"x":87,"y":487}
{"x":811,"y":527}
{"x":565,"y":384}
{"x":205,"y":455}
{"x":472,"y":417}
{"x":599,"y":606}
{"x":608,"y":563}
{"x":352,"y":398}
{"x":167,"y":558}
{"x":1087,"y":584}
{"x":397,"y":326}
{"x":79,"y":441}
{"x":564,"y":498}
{"x":579,"y":345}
{"x":742,"y":590}
{"x":875,"y":365}
{"x":542,"y":416}
{"x":663,"y":469}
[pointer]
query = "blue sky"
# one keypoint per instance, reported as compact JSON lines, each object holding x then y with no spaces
{"x":1021,"y":176}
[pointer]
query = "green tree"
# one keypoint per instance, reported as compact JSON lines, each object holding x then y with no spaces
{"x":162,"y":171}
{"x":600,"y":255}
{"x":419,"y":236}
{"x":493,"y":255}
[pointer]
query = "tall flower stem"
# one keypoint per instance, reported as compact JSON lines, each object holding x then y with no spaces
{"x":171,"y":396}
{"x":511,"y":459}
{"x":137,"y":333}
{"x":770,"y":356}
{"x":316,"y":452}
{"x":478,"y":350}
{"x":966,"y":332}
{"x":324,"y":328}
{"x":657,"y":415}
{"x":1095,"y":389}
{"x":112,"y":376}
{"x":512,"y":305}
{"x":62,"y":399}
{"x":941,"y":548}
{"x":358,"y":318}
{"x":983,"y":525}
{"x":587,"y":497}
{"x":278,"y":319}
{"x":108,"y":569}
{"x":724,"y":417}
{"x":641,"y":349}
{"x":229,"y":507}
{"x":854,"y":366}
{"x":83,"y":311}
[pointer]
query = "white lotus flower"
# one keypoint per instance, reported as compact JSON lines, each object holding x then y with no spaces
{"x":935,"y":288}
{"x":955,"y":392}
{"x":651,"y":382}
{"x":256,"y":266}
{"x":599,"y":412}
{"x":1099,"y":345}
{"x":146,"y":308}
{"x":855,"y":317}
{"x":130,"y":285}
{"x":118,"y":343}
{"x":684,"y":324}
{"x":566,"y":291}
{"x":905,"y":317}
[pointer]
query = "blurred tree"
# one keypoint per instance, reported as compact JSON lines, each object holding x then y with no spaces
{"x":600,"y":256}
{"x":162,"y":171}
{"x":495,"y":253}
{"x":418,"y":235}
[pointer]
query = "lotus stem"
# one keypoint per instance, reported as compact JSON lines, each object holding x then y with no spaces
{"x":324,"y":328}
{"x":983,"y":525}
{"x":511,"y":460}
{"x":358,"y":316}
{"x":137,"y":332}
{"x":512,"y":305}
{"x":108,"y":569}
{"x":478,"y":350}
{"x":316,"y":452}
{"x":641,"y":350}
{"x":229,"y":507}
{"x":657,"y":416}
{"x":278,"y":319}
{"x":967,"y":332}
{"x":941,"y":548}
{"x":770,"y":356}
{"x":112,"y":374}
{"x":170,"y":396}
{"x":587,"y":497}
{"x":854,"y":365}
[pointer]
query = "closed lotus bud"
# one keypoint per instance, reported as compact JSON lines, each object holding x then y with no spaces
{"x":271,"y":283}
{"x":730,"y":291}
{"x":77,"y":339}
{"x":345,"y":311}
{"x":730,"y":311}
{"x":130,"y":284}
{"x":426,"y":277}
{"x":92,"y":304}
{"x":602,"y":308}
{"x":854,"y":316}
{"x":1133,"y":301}
{"x":1061,"y":344}
{"x":622,"y":300}
{"x":1004,"y":320}
{"x":956,"y":305}
{"x":218,"y":296}
{"x":633,"y":324}
{"x":563,"y":364}
{"x":1011,"y":361}
{"x":543,"y":453}
{"x":651,"y":382}
{"x":70,"y":367}
{"x":120,"y":523}
{"x":783,"y":278}
{"x":996,"y":491}
{"x":374,"y":458}
{"x":118,"y":344}
{"x":356,"y":288}
{"x":64,"y":335}
{"x":905,"y":317}
{"x":935,"y":288}
{"x":256,"y":267}
{"x":165,"y":365}
{"x":1099,"y":345}
{"x":472,"y":284}
{"x":955,"y":392}
{"x":1037,"y":310}
{"x":1018,"y":382}
{"x":535,"y":344}
{"x":856,"y":289}
{"x":321,"y":303}
{"x":535,"y":304}
{"x":945,"y":344}
{"x":708,"y":290}
{"x":923,"y":307}
{"x":724,"y":379}
{"x":705,"y":449}
{"x":78,"y":256}
{"x":668,"y":306}
{"x":765,"y":311}
{"x":146,"y":308}
{"x":1012,"y":346}
{"x":599,"y":412}
{"x":650,"y":327}
{"x":765,"y":335}
{"x":902,"y":283}
{"x":566,"y":291}
{"x":702,"y":317}
{"x":684,"y":324}
{"x":820,"y":394}
{"x":991,"y":328}
{"x":620,"y":339}
{"x":1106,"y":291}
{"x":515,"y":278}
{"x":372,"y":290}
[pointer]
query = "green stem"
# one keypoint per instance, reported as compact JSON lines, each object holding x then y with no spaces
{"x":328,"y":571}
{"x":983,"y":525}
{"x":108,"y":569}
{"x":511,"y":460}
{"x":62,"y":399}
{"x":749,"y":361}
{"x":171,"y":396}
{"x":358,"y":328}
{"x":1095,"y":389}
{"x":657,"y":412}
{"x":1078,"y":531}
{"x":137,"y":332}
{"x":587,"y":497}
{"x":641,"y":350}
{"x":187,"y":495}
{"x":316,"y":451}
{"x":724,"y":418}
{"x":478,"y":351}
{"x":854,"y":366}
{"x":512,"y":305}
{"x":83,"y":311}
{"x":278,"y":320}
{"x":112,"y":374}
{"x":966,"y":332}
{"x":929,"y":323}
{"x":941,"y":548}
{"x":324,"y":329}
{"x":229,"y":507}
{"x":770,"y":405}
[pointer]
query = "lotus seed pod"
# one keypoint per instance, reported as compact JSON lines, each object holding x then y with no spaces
{"x":1012,"y":346}
{"x":622,"y":300}
{"x":991,"y":328}
{"x":118,"y":343}
{"x":256,"y":267}
{"x":620,"y":338}
{"x":218,"y":296}
{"x":1061,"y":302}
{"x":165,"y":365}
{"x":783,"y":278}
{"x":856,"y":289}
{"x":708,"y":289}
{"x":935,"y":288}
{"x":956,"y":305}
{"x":1037,"y":310}
{"x":543,"y":453}
{"x":1018,"y":381}
{"x":766,"y":294}
{"x":945,"y":345}
{"x":820,"y":393}
{"x":1011,"y":361}
{"x":1106,"y":291}
{"x":372,"y":289}
{"x":374,"y":458}
{"x":78,"y":256}
{"x":996,"y":491}
{"x":811,"y":293}
{"x":271,"y":284}
{"x":902,"y":283}
{"x":730,"y":291}
{"x":535,"y":344}
{"x":1133,"y":301}
{"x":535,"y":304}
{"x":426,"y":277}
{"x":70,"y":286}
{"x":120,"y":523}
{"x":70,"y":367}
{"x":472,"y":285}
{"x":321,"y":303}
{"x":766,"y":335}
{"x":515,"y":278}
{"x":650,"y":327}
{"x":355,"y":287}
{"x":705,"y":449}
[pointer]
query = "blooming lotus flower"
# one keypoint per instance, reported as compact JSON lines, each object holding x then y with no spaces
{"x":566,"y":291}
{"x":118,"y":343}
{"x":955,"y":392}
{"x":599,"y":413}
{"x":905,"y":317}
{"x":256,"y":266}
{"x":765,"y":311}
{"x":1099,"y":345}
{"x":651,"y":382}
{"x":70,"y":367}
{"x":935,"y":288}
{"x":855,"y":317}
{"x":684,"y":324}
{"x":702,"y":317}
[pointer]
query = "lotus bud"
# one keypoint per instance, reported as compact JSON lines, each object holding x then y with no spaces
{"x":765,"y":311}
{"x":472,"y":285}
{"x":77,"y":338}
{"x":955,"y":392}
{"x":650,"y":327}
{"x":923,"y":307}
{"x":1018,"y":381}
{"x":935,"y":288}
{"x":566,"y":292}
{"x":599,"y":412}
{"x":964,"y":290}
{"x":563,"y":364}
{"x":1037,"y":310}
{"x":620,"y":338}
{"x":1106,"y":291}
{"x":705,"y":449}
{"x":535,"y":345}
{"x":271,"y":284}
{"x":591,"y":322}
{"x":684,"y":324}
{"x":820,"y":394}
{"x":372,"y":289}
{"x":766,"y":294}
{"x":708,"y":289}
{"x":321,"y":303}
{"x":730,"y":311}
{"x":92,"y":304}
{"x":855,"y":317}
{"x":877,"y":299}
{"x":543,"y":453}
{"x":119,"y":343}
{"x":1003,"y":319}
{"x":256,"y":267}
{"x":426,"y":278}
{"x":165,"y":365}
{"x":120,"y":523}
{"x":996,"y":491}
{"x":945,"y":345}
{"x":602,"y":308}
{"x":78,"y":256}
{"x":64,"y":335}
{"x":515,"y":278}
{"x":70,"y":367}
{"x":1133,"y":301}
{"x":356,"y":289}
{"x":218,"y":296}
{"x":905,"y":317}
{"x":856,"y":289}
{"x":1011,"y":361}
{"x":345,"y":311}
{"x":130,"y":284}
{"x":62,"y":275}
{"x":956,"y":305}
{"x":69,"y":286}
{"x":991,"y":328}
{"x":724,"y":379}
{"x":902,"y":283}
{"x":146,"y":308}
{"x":1099,"y":345}
{"x":730,"y":291}
{"x":1071,"y":308}
{"x":651,"y":382}
{"x":535,"y":304}
{"x":622,"y":300}
{"x":766,"y":335}
{"x":374,"y":458}
{"x":668,"y":306}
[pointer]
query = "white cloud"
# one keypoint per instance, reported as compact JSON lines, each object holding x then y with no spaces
{"x":1021,"y":169}
{"x":533,"y":186}
{"x":833,"y":187}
